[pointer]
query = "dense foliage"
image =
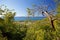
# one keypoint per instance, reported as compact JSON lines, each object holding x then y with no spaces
{"x":37,"y":30}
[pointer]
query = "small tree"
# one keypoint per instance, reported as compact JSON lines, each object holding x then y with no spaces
{"x":44,"y":10}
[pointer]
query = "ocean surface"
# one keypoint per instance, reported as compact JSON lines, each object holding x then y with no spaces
{"x":26,"y":18}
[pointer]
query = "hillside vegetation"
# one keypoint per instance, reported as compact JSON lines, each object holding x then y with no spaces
{"x":37,"y":30}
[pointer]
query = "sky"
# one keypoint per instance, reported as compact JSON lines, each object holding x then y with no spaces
{"x":20,"y":6}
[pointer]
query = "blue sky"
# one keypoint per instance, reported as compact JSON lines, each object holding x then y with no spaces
{"x":21,"y":5}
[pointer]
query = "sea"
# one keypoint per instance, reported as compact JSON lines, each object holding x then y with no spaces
{"x":26,"y":18}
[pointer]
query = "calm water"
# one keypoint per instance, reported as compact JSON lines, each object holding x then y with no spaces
{"x":25,"y":18}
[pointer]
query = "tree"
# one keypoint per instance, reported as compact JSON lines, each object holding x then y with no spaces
{"x":43,"y":9}
{"x":9,"y":28}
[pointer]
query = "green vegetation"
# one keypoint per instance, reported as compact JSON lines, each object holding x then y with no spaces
{"x":28,"y":30}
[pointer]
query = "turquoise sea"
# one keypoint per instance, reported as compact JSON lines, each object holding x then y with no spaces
{"x":26,"y":18}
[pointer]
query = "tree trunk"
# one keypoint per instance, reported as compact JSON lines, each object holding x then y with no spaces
{"x":50,"y":19}
{"x":52,"y":24}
